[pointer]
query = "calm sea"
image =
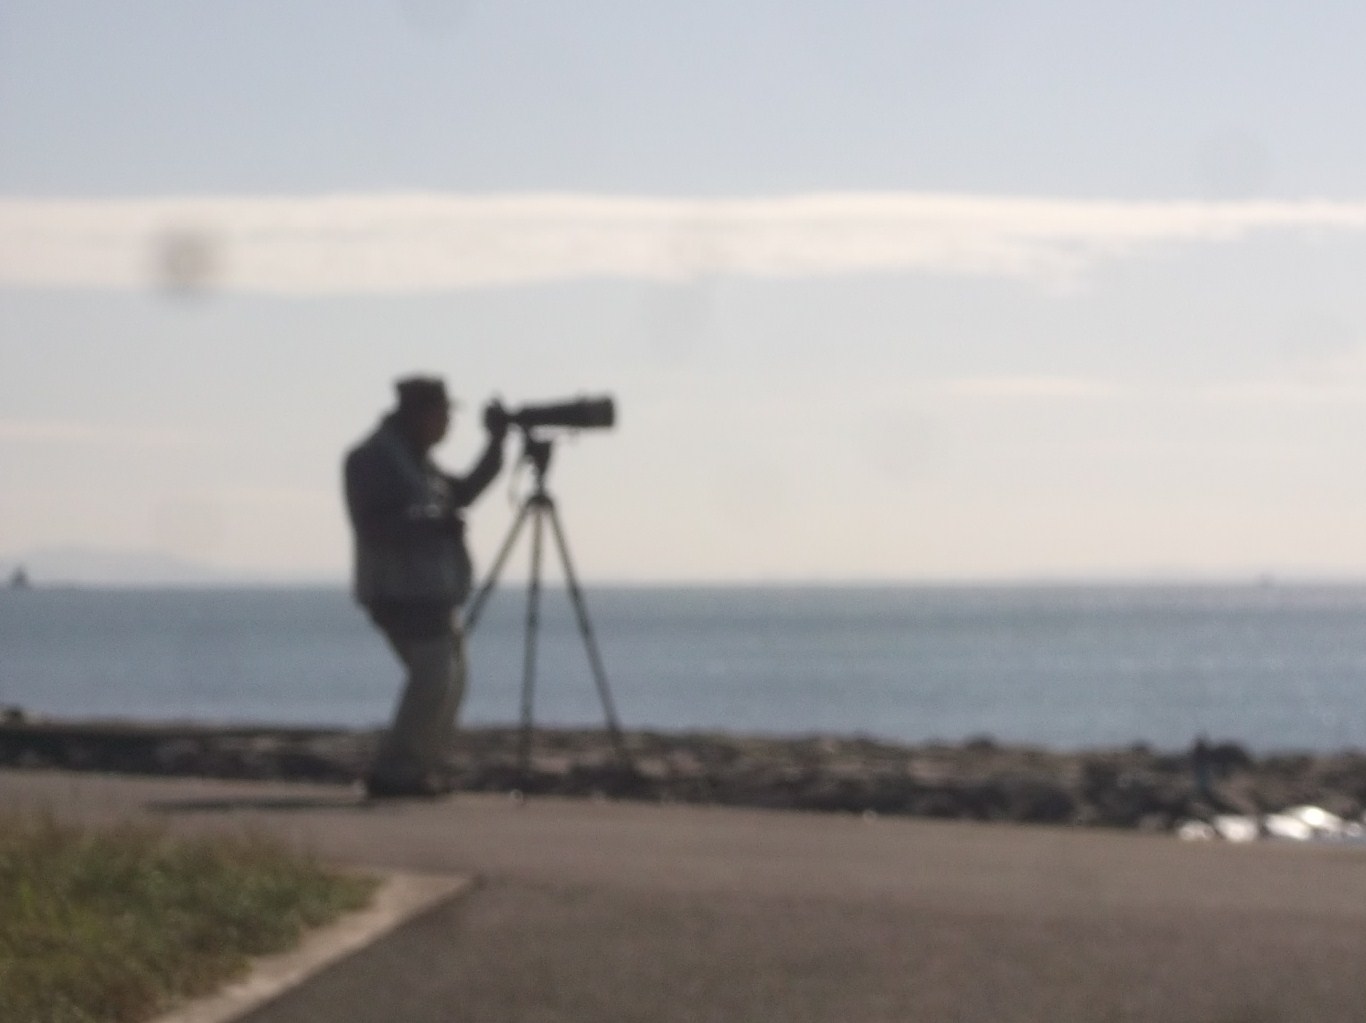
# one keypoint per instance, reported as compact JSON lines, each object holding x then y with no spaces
{"x":1275,"y":667}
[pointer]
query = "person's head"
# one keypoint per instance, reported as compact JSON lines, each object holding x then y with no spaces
{"x":424,"y":410}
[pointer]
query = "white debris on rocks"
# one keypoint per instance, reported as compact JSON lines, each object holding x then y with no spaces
{"x":1296,"y":824}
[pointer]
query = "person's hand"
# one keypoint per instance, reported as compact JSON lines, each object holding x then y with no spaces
{"x":496,"y":420}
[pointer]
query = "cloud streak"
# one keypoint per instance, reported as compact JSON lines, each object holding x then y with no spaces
{"x":413,"y":243}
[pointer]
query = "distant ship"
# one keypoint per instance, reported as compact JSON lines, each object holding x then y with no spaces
{"x":20,"y":580}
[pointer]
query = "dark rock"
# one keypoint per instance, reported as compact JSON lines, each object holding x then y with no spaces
{"x":1133,"y":787}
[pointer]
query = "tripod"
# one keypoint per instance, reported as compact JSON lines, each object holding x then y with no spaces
{"x":539,"y":507}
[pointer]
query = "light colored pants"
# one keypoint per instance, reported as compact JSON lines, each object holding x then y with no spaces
{"x":419,"y":740}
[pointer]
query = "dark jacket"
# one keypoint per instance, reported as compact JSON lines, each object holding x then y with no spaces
{"x":405,"y":517}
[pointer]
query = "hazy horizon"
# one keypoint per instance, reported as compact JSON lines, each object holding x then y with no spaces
{"x":96,"y":569}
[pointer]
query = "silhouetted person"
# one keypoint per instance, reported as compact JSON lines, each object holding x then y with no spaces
{"x":413,"y":573}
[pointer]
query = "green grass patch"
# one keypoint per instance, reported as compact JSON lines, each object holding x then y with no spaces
{"x":113,"y":926}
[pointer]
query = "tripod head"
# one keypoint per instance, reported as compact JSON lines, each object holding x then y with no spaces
{"x":536,"y":452}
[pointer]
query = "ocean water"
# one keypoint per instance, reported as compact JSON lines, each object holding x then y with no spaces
{"x":1278,"y":667}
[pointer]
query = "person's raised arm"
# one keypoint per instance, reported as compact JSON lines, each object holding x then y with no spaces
{"x":468,"y":487}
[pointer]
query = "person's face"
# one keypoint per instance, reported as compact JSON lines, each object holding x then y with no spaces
{"x":432,"y":425}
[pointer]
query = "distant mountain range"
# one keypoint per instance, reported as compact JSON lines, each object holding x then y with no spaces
{"x":88,"y":566}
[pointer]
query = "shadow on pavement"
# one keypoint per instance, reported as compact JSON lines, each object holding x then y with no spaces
{"x":283,"y":804}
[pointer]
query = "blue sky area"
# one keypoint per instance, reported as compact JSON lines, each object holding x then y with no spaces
{"x":883,"y":291}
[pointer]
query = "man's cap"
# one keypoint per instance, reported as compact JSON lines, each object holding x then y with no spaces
{"x":422,"y":393}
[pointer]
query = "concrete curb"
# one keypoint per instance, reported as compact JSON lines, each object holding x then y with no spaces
{"x":399,"y":898}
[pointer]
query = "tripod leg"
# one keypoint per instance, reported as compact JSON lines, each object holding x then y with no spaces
{"x":477,"y":604}
{"x":590,"y":644}
{"x":532,"y":621}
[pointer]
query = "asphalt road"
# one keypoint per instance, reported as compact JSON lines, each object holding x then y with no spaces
{"x":604,"y":912}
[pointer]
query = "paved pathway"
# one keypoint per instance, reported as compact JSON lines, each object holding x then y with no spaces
{"x":605,"y":912}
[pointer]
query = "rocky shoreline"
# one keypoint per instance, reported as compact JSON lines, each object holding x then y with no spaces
{"x":977,"y":780}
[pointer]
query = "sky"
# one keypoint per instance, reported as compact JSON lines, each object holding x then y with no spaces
{"x":884,"y":292}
